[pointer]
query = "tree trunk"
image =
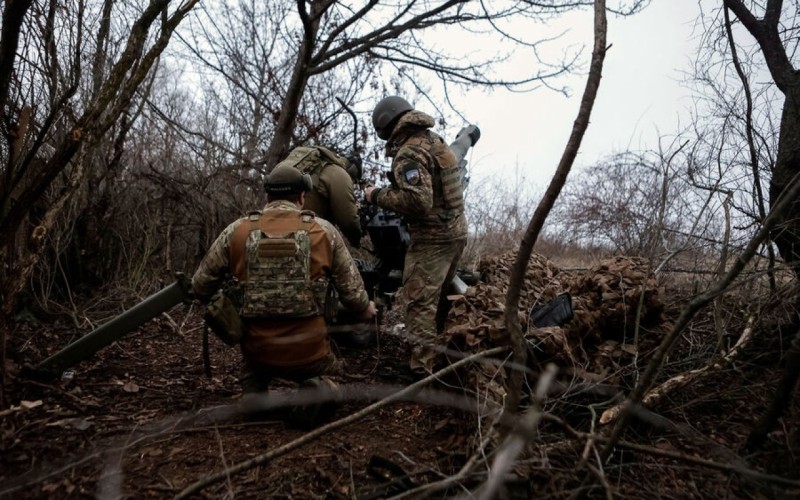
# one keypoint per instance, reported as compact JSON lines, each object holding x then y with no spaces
{"x":767,"y":31}
{"x":787,"y":165}
{"x":787,"y":238}
{"x":284,"y":128}
{"x":783,"y":395}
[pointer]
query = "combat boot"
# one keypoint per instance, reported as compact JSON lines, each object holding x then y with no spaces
{"x":313,"y":414}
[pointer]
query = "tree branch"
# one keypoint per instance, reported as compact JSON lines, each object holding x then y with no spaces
{"x":309,"y":437}
{"x":512,"y":320}
{"x":766,"y":34}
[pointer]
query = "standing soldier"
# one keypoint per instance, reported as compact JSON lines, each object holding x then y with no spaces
{"x":332,"y":196}
{"x":426,"y":190}
{"x":285,"y":259}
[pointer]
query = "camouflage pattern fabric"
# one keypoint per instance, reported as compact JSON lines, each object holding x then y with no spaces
{"x":208,"y":277}
{"x":333,"y":198}
{"x":429,"y":269}
{"x":284,"y":342}
{"x":279,"y":276}
{"x":437,"y":225}
{"x":417,"y":189}
{"x":452,"y":189}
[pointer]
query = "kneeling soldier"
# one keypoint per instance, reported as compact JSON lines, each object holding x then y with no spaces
{"x":285,"y":259}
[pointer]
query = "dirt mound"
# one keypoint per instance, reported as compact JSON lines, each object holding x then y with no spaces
{"x":606,"y":301}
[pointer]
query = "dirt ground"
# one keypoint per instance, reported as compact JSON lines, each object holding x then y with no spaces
{"x":142,"y":419}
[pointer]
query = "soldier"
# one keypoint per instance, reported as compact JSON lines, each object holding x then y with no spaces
{"x":332,"y":196}
{"x":426,"y":190}
{"x":285,"y":259}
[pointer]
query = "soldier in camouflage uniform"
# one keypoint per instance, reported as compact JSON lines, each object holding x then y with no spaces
{"x":292,"y":342}
{"x":426,"y":190}
{"x":332,"y":196}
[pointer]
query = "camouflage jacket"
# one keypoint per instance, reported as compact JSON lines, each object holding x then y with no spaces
{"x":416,"y":182}
{"x":341,"y":270}
{"x":275,"y":342}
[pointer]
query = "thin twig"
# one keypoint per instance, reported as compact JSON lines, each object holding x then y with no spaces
{"x":224,"y":462}
{"x":681,"y":380}
{"x":309,"y":437}
{"x":445,"y":483}
{"x":676,"y":455}
{"x":516,"y":441}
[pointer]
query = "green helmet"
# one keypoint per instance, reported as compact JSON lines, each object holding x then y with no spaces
{"x":285,"y":179}
{"x":386,"y":114}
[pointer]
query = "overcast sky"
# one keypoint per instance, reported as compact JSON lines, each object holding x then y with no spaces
{"x":640,"y":96}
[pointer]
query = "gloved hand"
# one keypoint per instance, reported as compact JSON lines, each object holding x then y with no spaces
{"x":369,"y":313}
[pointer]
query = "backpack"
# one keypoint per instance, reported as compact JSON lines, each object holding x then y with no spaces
{"x":279,"y":274}
{"x":312,"y":159}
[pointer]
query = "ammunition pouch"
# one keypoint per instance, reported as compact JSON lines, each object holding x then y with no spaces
{"x":222,"y":317}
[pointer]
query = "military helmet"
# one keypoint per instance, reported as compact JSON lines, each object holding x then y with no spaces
{"x":386,"y":114}
{"x":286,"y":179}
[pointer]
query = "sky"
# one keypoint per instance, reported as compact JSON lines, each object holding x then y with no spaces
{"x":640,"y":98}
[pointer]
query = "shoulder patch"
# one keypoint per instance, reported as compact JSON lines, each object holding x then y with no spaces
{"x":412,"y":174}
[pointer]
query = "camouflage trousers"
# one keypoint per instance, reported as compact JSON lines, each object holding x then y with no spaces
{"x":429,"y":269}
{"x":257,"y":378}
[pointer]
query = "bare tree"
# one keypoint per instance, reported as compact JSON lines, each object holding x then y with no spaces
{"x":56,"y":121}
{"x":317,"y":38}
{"x":512,"y":320}
{"x":774,"y":36}
{"x":616,"y":204}
{"x":774,"y":28}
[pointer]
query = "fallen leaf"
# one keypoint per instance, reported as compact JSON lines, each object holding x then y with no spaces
{"x":130,"y":387}
{"x":151,"y":452}
{"x":50,"y":487}
{"x":75,"y":423}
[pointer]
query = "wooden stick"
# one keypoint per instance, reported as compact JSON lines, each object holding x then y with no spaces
{"x":309,"y":437}
{"x":657,"y":393}
{"x":677,"y":455}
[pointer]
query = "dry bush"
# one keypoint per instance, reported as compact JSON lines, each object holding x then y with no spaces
{"x":570,"y":255}
{"x":634,"y":203}
{"x":498,"y":212}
